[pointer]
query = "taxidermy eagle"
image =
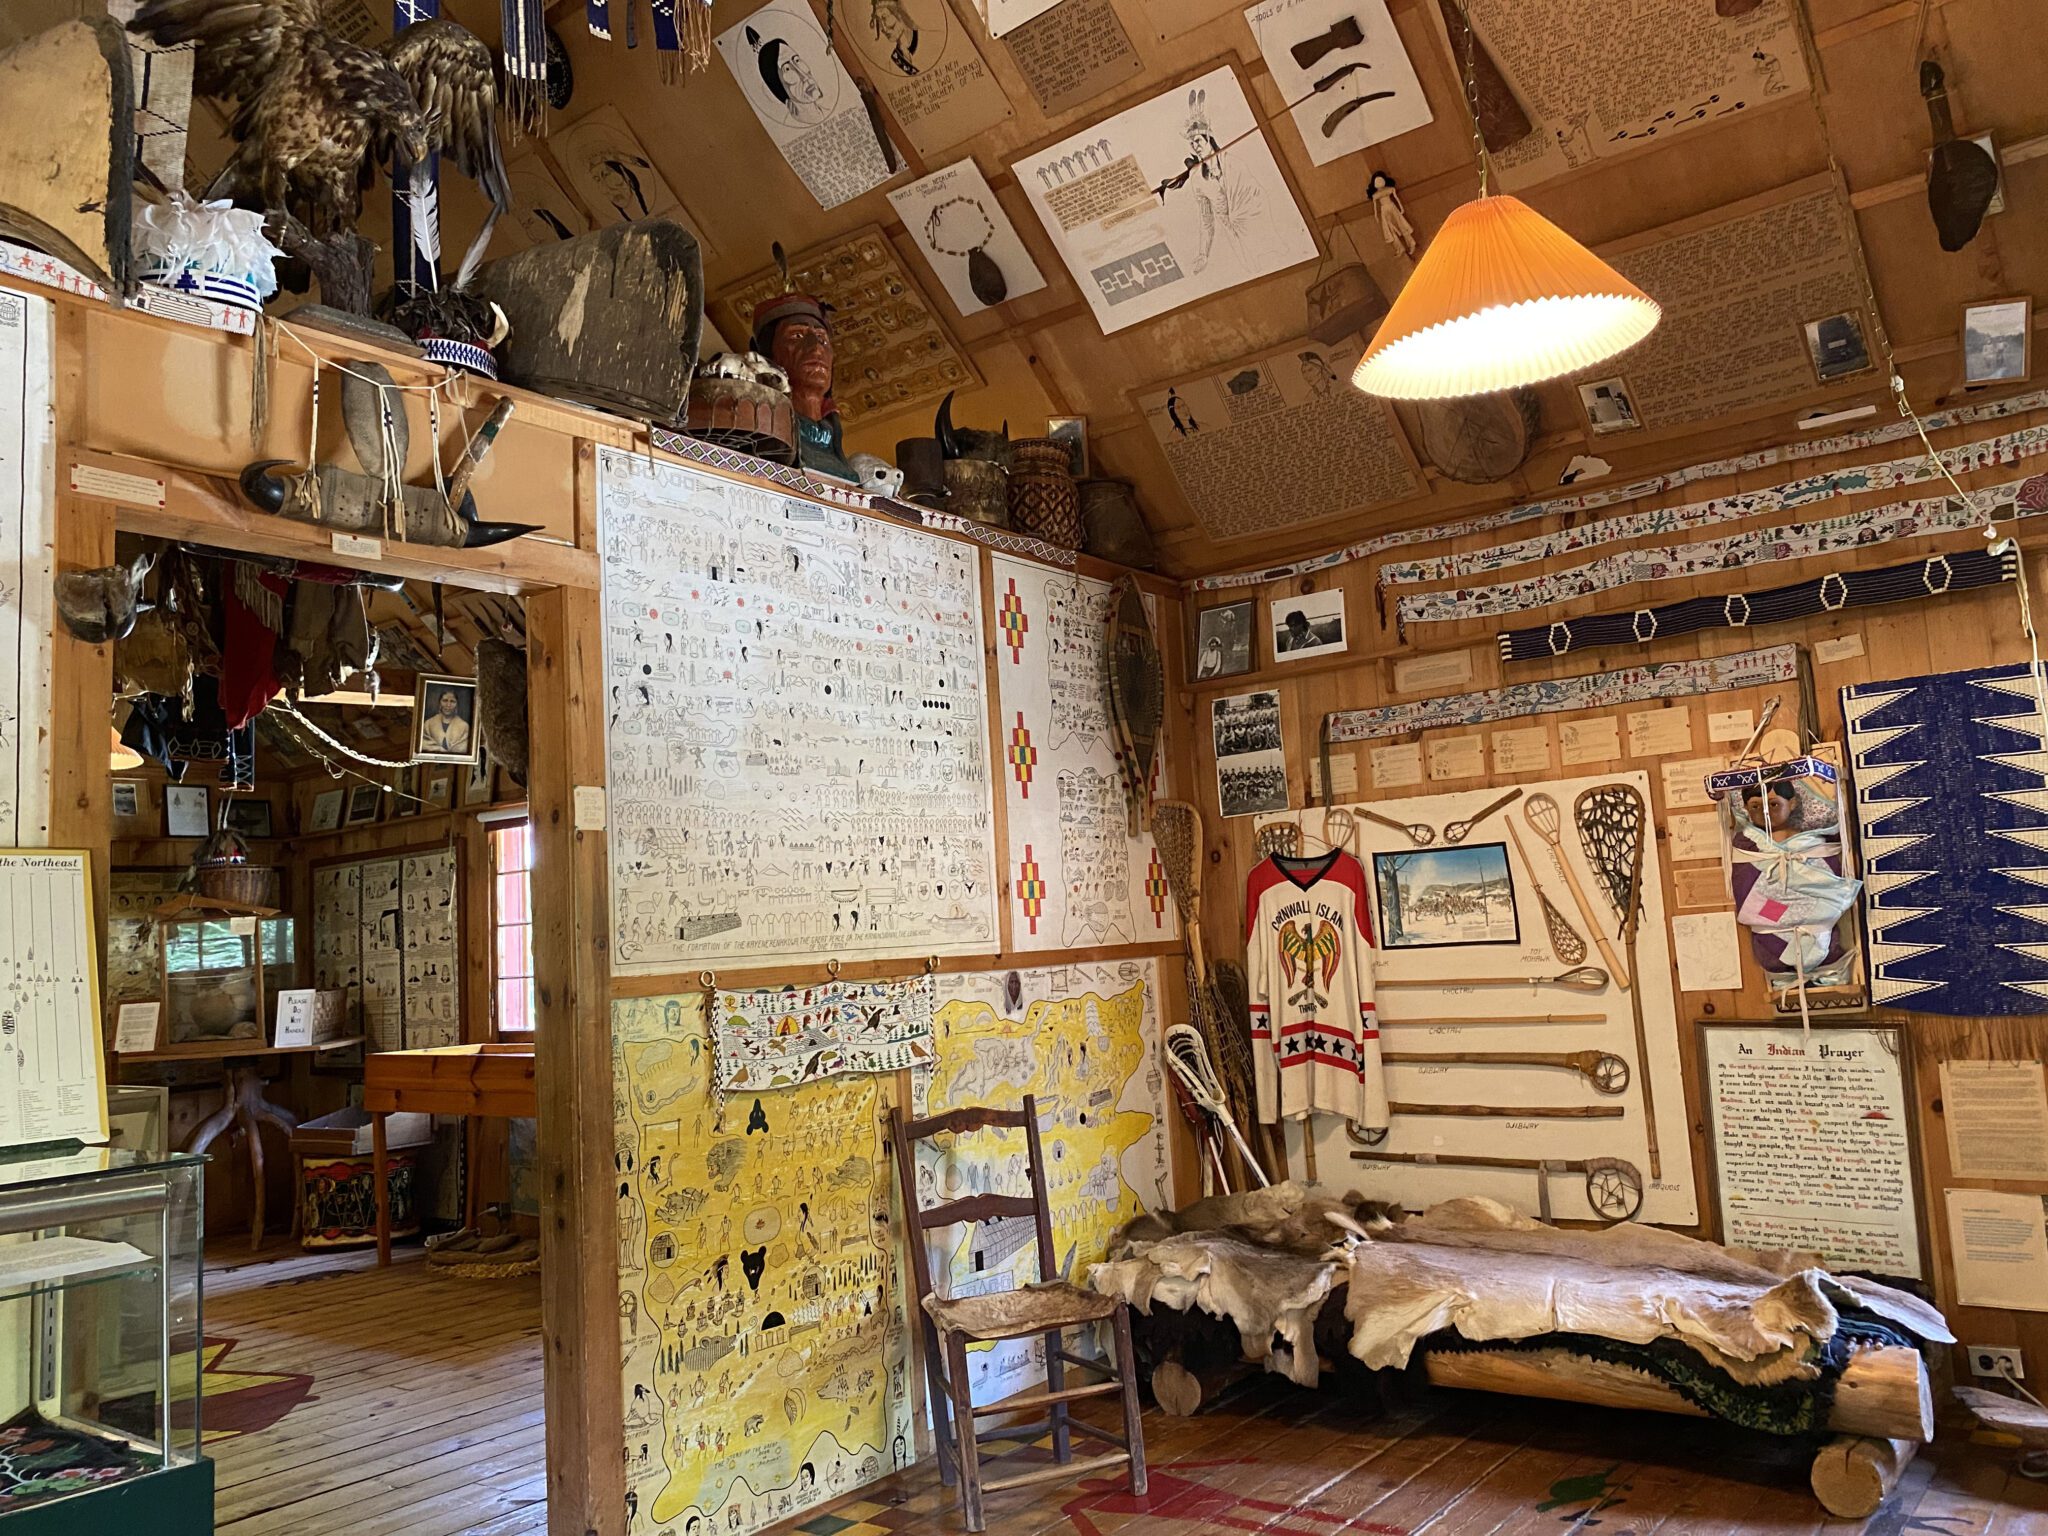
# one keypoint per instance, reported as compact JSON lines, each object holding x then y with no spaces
{"x":314,"y":112}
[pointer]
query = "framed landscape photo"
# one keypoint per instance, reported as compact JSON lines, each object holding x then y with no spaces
{"x":1998,"y":342}
{"x":1434,"y":898}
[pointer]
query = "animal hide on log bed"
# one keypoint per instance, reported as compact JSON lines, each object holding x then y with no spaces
{"x":610,"y":319}
{"x":67,"y":148}
{"x":1471,"y":1273}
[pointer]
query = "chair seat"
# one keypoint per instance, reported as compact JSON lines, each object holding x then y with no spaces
{"x":1012,"y":1314}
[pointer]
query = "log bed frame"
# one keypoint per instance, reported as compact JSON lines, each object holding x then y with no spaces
{"x":1882,"y":1413}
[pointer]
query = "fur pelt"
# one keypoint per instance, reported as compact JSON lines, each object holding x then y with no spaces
{"x":1271,"y":1295}
{"x":1293,"y":1217}
{"x":501,"y":705}
{"x":1476,"y":1266}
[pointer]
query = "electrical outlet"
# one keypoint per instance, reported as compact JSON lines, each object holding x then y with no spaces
{"x":1996,"y":1361}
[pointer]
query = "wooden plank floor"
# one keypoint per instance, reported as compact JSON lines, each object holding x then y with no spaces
{"x":1282,"y":1462}
{"x":424,"y":1419}
{"x":424,"y":1414}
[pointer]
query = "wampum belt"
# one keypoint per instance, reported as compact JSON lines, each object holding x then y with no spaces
{"x":1931,"y":577}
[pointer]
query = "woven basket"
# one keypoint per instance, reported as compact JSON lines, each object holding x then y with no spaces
{"x":253,"y":885}
{"x":978,"y":490}
{"x":1044,"y":500}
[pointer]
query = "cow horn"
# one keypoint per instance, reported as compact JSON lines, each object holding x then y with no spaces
{"x":942,"y":429}
{"x":476,"y":535}
{"x":266,"y":492}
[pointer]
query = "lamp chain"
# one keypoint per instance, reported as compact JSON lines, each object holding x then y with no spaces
{"x":1472,"y":95}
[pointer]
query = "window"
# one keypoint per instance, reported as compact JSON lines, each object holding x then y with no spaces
{"x":512,"y":923}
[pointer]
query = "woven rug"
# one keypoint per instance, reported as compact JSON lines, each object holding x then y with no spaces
{"x":1951,"y":779}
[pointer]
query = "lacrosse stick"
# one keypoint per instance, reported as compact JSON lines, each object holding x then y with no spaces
{"x":1420,"y":833}
{"x":1544,"y":818}
{"x":1278,"y":839}
{"x":1610,"y":821}
{"x":1607,"y":1072}
{"x":1614,"y":1188}
{"x":1586,"y":978}
{"x":1458,"y":831}
{"x":1565,"y":942}
{"x":1188,"y":1059}
{"x":1493,"y":1020}
{"x":1177,"y":834}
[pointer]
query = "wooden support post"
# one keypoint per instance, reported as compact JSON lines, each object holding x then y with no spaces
{"x":380,"y":1181}
{"x":573,"y":1063}
{"x":1853,"y":1474}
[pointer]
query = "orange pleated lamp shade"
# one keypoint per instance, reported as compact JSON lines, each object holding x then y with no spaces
{"x":1501,"y":298}
{"x":121,"y":755}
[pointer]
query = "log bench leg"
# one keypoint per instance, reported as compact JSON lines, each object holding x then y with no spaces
{"x":1854,"y":1474}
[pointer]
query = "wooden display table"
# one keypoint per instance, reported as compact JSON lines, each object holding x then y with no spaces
{"x":245,"y":1105}
{"x":468,"y":1080}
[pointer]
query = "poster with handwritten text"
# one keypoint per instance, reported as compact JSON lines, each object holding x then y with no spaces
{"x":1077,"y":877}
{"x":796,"y":728}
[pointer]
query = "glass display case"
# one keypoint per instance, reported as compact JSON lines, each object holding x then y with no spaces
{"x":99,"y":1344}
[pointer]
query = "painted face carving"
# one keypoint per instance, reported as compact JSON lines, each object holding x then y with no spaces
{"x":803,"y":350}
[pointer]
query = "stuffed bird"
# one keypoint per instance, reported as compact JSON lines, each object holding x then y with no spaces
{"x":314,"y":112}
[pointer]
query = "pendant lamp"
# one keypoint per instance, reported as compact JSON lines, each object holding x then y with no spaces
{"x":121,"y":755}
{"x":1501,"y":298}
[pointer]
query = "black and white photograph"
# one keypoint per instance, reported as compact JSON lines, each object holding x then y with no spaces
{"x":1309,"y":624}
{"x":1836,"y":347}
{"x":363,"y":801}
{"x":444,"y":719}
{"x":408,"y":796}
{"x":185,"y":811}
{"x":247,"y":815}
{"x":1223,"y":639}
{"x":476,"y":784}
{"x":1996,"y":341}
{"x":127,"y":799}
{"x":1251,"y":761}
{"x":327,"y":810}
{"x":1609,"y":406}
{"x":1435,"y":897}
{"x":1072,"y":432}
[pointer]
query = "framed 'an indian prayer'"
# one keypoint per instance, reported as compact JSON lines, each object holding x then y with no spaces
{"x":1077,"y":878}
{"x":797,"y":729}
{"x":1150,"y":211}
{"x":1812,"y":1143}
{"x":55,"y":1084}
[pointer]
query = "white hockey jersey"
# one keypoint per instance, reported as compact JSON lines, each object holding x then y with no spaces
{"x":1308,"y":960}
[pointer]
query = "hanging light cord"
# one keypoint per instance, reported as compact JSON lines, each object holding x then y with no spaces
{"x":1900,"y":399}
{"x":1479,"y":149}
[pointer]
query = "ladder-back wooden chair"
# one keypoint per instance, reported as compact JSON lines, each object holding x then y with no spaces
{"x":1049,"y":1308}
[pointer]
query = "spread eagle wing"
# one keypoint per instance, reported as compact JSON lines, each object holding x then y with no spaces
{"x":240,"y":42}
{"x":452,"y":76}
{"x":1294,"y":956}
{"x":454,"y":80}
{"x":1328,"y":948}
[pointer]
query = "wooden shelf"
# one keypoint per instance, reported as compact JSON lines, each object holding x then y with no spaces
{"x":233,"y":1050}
